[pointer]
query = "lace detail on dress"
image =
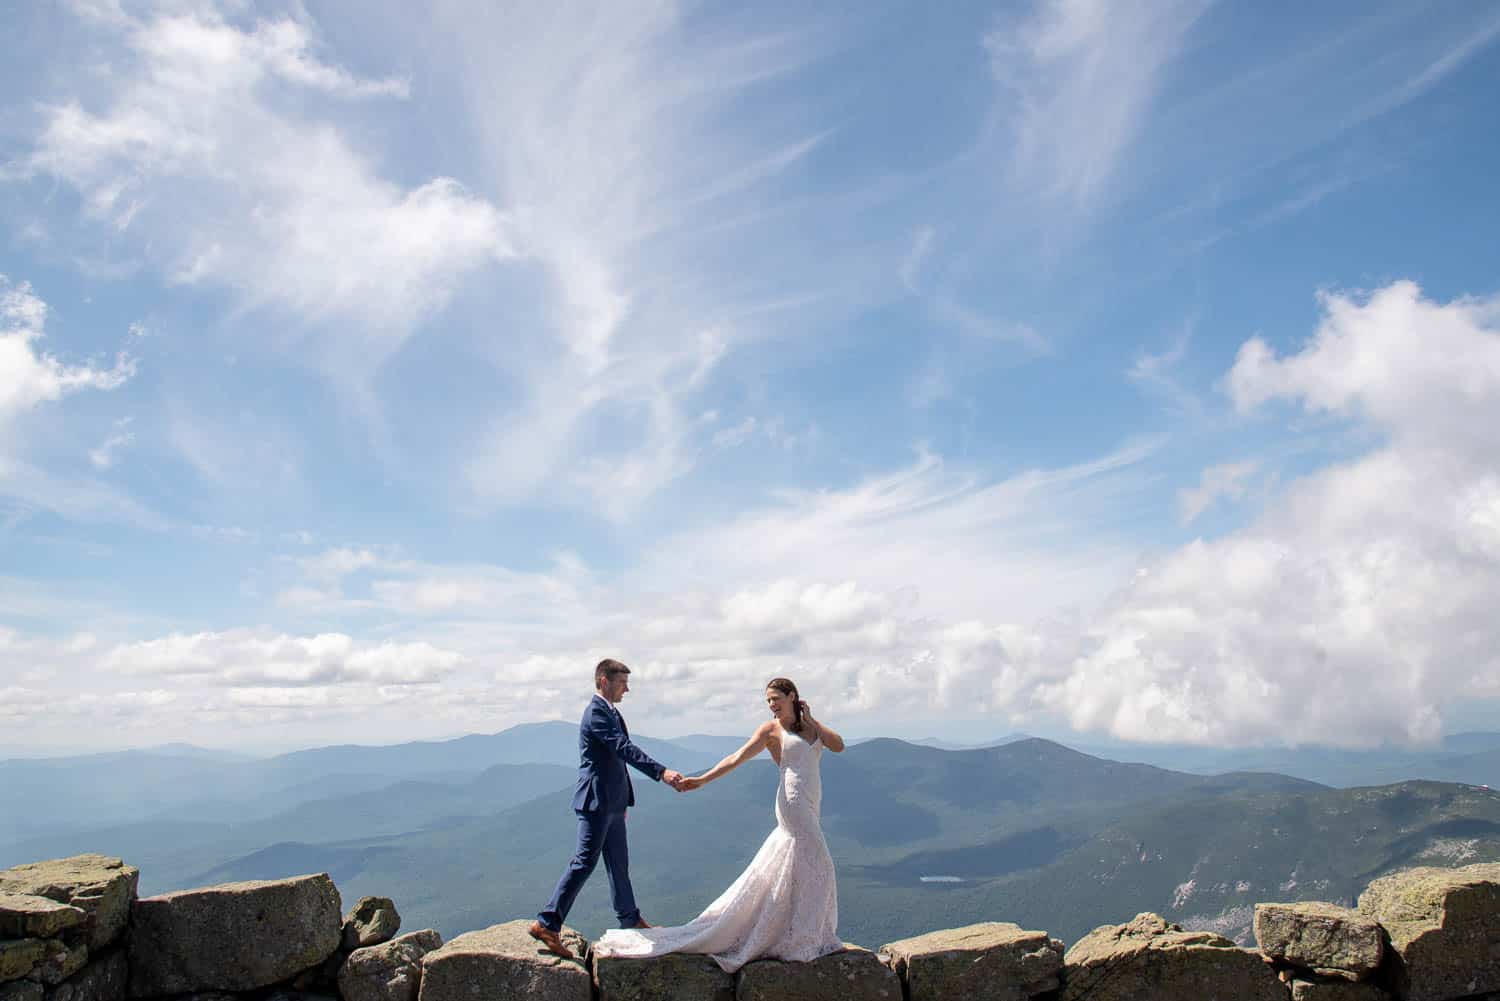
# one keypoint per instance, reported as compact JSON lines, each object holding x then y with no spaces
{"x":783,"y":906}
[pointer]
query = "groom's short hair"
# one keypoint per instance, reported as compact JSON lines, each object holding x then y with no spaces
{"x":606,"y":667}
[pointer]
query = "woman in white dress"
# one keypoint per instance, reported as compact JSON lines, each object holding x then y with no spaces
{"x":785,"y":904}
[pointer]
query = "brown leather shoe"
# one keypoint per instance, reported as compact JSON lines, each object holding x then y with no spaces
{"x":643,"y":923}
{"x":550,"y":939}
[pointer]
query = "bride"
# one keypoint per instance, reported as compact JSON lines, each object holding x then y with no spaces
{"x":785,"y":904}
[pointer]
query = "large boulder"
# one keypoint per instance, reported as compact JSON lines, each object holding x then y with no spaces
{"x":1444,"y":927}
{"x":390,"y":971}
{"x":854,"y":974}
{"x":676,"y":977}
{"x":372,"y":921}
{"x":1331,"y":940}
{"x":1149,"y":957}
{"x":100,"y":886}
{"x":993,"y":961}
{"x":104,"y":979}
{"x":25,"y":915}
{"x":509,"y":963}
{"x":232,"y":937}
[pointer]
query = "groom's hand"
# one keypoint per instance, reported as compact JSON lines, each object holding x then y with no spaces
{"x":673,"y":779}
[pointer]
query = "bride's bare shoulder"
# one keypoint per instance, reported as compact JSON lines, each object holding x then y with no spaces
{"x":769,"y":734}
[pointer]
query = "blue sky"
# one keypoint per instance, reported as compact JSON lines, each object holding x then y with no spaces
{"x":1064,"y":367}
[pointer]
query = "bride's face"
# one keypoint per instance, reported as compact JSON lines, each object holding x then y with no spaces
{"x":780,"y":705}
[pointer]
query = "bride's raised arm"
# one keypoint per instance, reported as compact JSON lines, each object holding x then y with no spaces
{"x":823,"y":731}
{"x":752,"y":747}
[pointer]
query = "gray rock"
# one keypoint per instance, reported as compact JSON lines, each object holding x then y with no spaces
{"x":510,"y":964}
{"x":391,"y":971}
{"x":1332,"y":940}
{"x":852,"y":975}
{"x":61,"y":962}
{"x":372,"y":921}
{"x":232,"y":937}
{"x":1336,"y":990}
{"x":22,"y":990}
{"x":19,"y":956}
{"x":25,"y":915}
{"x":1444,"y":927}
{"x":104,"y":979}
{"x":993,"y":961}
{"x":1148,"y":957}
{"x":101,"y":886}
{"x":676,"y":977}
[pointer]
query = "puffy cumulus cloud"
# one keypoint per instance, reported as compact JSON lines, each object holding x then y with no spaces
{"x":1423,"y":372}
{"x":28,"y":376}
{"x":247,"y":658}
{"x":200,"y":144}
{"x":1361,"y":600}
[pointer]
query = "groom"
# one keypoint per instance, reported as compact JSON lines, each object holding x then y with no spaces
{"x":603,"y":793}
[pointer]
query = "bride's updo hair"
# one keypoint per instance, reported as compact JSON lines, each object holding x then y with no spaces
{"x":785,"y":687}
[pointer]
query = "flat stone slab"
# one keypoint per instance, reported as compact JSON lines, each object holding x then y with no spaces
{"x":504,"y":963}
{"x":1332,"y":940}
{"x":389,"y":971}
{"x":992,"y":961}
{"x":1149,"y":957}
{"x":675,"y":977}
{"x":104,"y":979}
{"x":99,"y":885}
{"x":1336,"y":990}
{"x":25,"y":915}
{"x":854,"y":974}
{"x":232,"y":937}
{"x":1444,"y":928}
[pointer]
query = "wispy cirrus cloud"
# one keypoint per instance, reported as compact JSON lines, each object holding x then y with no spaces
{"x":1077,"y":79}
{"x":637,"y":181}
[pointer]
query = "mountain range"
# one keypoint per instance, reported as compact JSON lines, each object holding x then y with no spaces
{"x":468,"y":832}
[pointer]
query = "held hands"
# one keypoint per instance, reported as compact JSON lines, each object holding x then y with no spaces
{"x":680,"y":782}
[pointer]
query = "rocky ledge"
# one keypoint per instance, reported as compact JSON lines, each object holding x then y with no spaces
{"x":74,"y":930}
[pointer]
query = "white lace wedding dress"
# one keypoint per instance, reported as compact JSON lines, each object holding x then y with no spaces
{"x":784,"y":905}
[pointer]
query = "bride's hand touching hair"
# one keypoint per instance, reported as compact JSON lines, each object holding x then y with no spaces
{"x":821,"y":731}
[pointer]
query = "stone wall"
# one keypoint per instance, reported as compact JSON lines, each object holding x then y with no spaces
{"x":74,"y":930}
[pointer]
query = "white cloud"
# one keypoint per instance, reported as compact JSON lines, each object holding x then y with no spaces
{"x":1226,"y":480}
{"x":251,"y":658}
{"x":1078,"y":78}
{"x":199,"y":145}
{"x":104,"y":456}
{"x":29,"y":377}
{"x":617,"y":132}
{"x":1361,"y":601}
{"x":737,"y":435}
{"x":916,"y":256}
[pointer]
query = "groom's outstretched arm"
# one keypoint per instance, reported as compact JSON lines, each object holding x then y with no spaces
{"x":605,"y":726}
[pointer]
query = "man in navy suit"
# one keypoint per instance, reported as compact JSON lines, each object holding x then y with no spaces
{"x":602,"y":796}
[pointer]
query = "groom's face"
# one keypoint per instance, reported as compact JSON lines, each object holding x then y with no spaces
{"x":614,"y":686}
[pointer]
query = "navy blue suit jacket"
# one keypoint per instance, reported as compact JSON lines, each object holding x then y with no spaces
{"x":604,"y":749}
